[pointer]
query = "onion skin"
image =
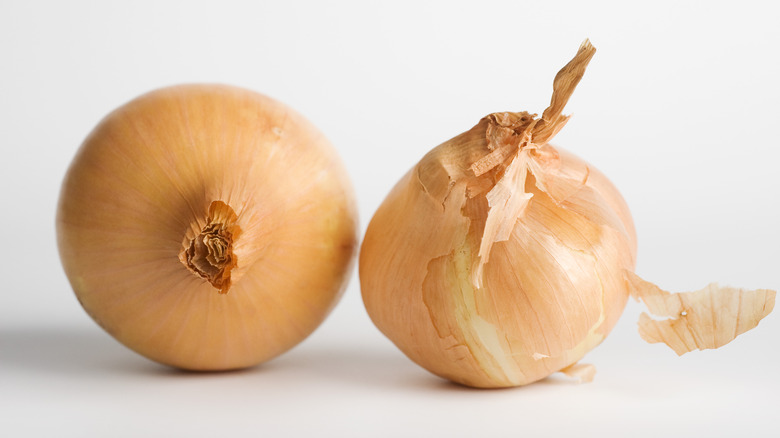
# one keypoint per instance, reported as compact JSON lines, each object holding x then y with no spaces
{"x":500,"y":259}
{"x":141,"y":190}
{"x":539,"y":309}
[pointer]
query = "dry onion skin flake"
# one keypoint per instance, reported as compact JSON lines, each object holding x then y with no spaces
{"x":700,"y":320}
{"x":207,"y":227}
{"x":500,"y":259}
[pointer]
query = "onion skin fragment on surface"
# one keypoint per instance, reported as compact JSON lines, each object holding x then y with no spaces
{"x":207,"y":227}
{"x":705,"y":319}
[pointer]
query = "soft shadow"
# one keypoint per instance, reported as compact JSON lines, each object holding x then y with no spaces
{"x":79,"y":352}
{"x":89,"y":352}
{"x":68,"y":351}
{"x":383,"y":368}
{"x":356,"y":366}
{"x":552,"y":380}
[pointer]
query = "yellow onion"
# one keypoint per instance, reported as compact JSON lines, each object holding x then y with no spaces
{"x":499,"y":259}
{"x":207,"y":227}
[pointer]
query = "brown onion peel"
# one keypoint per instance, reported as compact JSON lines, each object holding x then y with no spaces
{"x":499,"y":259}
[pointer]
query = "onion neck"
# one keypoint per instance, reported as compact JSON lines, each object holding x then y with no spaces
{"x":508,"y":132}
{"x":209,"y":255}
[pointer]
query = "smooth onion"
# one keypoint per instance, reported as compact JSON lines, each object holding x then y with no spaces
{"x":207,"y":227}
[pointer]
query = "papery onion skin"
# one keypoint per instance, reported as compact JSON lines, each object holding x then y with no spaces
{"x":549,"y":307}
{"x":139,"y":193}
{"x":500,"y":259}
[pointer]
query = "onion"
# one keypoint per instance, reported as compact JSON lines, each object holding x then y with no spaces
{"x":207,"y":227}
{"x":499,"y":259}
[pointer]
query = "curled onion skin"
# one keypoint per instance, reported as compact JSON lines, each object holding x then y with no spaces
{"x":207,"y":227}
{"x":499,"y":259}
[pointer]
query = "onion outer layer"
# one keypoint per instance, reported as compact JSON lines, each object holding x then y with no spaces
{"x":207,"y":227}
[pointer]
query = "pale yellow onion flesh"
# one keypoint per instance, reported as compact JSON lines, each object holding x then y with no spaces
{"x":499,"y":259}
{"x":207,"y":227}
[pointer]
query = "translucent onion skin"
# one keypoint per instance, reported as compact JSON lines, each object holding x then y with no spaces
{"x":550,"y":293}
{"x":207,"y":227}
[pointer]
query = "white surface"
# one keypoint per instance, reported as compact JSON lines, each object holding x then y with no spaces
{"x":679,"y":108}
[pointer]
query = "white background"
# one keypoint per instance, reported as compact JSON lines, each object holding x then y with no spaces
{"x":679,"y":108}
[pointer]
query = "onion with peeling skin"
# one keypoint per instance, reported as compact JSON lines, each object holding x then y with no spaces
{"x":207,"y":227}
{"x":499,"y":259}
